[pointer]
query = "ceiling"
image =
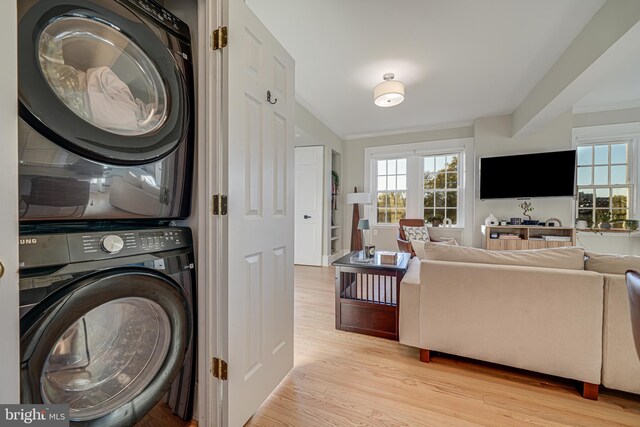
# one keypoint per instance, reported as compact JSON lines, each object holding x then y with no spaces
{"x":460,"y":59}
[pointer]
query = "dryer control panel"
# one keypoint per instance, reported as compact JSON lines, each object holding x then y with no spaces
{"x":160,"y":15}
{"x":56,"y":249}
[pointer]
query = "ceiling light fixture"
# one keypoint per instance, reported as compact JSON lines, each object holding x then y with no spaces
{"x":388,"y":93}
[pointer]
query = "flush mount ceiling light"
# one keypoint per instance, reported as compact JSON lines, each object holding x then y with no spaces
{"x":388,"y":93}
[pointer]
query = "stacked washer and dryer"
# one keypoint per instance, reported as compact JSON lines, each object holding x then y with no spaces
{"x":106,"y":140}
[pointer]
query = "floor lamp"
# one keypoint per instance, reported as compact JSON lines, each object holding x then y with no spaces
{"x":356,"y":199}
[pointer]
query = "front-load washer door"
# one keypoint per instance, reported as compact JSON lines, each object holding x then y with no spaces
{"x":97,"y":80}
{"x":108,"y":346}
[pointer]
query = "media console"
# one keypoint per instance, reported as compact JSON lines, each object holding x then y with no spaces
{"x":519,"y":237}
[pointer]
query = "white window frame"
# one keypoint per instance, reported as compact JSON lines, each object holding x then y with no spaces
{"x":458,"y":189}
{"x":627,"y":132}
{"x":593,"y":186}
{"x":375,"y":191}
{"x":414,"y":153}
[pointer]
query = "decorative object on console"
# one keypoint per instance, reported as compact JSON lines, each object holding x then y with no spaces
{"x":515,"y":221}
{"x":553,"y":222}
{"x":356,"y":199}
{"x":581,"y":224}
{"x":503,"y":222}
{"x":491,"y":220}
{"x":526,"y":208}
{"x":631,"y":224}
{"x":388,"y":257}
{"x":369,"y":251}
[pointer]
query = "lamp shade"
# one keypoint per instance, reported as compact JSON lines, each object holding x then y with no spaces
{"x":388,"y":93}
{"x":358,"y":199}
{"x":363,"y":224}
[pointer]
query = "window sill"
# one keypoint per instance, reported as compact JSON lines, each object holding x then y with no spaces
{"x":603,"y":233}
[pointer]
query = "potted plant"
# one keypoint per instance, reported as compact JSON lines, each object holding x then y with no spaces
{"x":436,"y":220}
{"x":603,"y":217}
{"x":526,"y":208}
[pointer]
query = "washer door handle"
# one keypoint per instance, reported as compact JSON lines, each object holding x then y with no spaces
{"x":1,"y":269}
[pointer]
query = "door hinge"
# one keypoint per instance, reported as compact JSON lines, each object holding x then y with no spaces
{"x":219,"y":38}
{"x":219,"y":368}
{"x":219,"y":203}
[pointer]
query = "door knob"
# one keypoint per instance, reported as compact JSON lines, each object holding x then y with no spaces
{"x":1,"y":270}
{"x":307,"y":217}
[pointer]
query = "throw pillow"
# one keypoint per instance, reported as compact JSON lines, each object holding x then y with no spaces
{"x":610,"y":263}
{"x":416,"y":233}
{"x":420,"y":245}
{"x":571,"y":258}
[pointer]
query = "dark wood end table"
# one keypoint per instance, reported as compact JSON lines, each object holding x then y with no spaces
{"x":368,"y":295}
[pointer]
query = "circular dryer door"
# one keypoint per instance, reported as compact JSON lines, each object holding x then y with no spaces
{"x":109,"y":346}
{"x":98,"y":81}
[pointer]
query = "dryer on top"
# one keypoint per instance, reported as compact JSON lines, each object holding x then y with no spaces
{"x":106,"y":111}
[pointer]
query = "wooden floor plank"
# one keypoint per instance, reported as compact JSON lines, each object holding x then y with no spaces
{"x":347,"y":379}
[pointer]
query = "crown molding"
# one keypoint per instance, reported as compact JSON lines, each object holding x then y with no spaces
{"x":442,"y":126}
{"x":606,"y":107}
{"x":300,"y":100}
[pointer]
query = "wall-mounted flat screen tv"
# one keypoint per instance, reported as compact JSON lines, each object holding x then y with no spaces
{"x":549,"y":174}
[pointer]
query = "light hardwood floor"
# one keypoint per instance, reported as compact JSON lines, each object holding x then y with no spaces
{"x":346,"y":379}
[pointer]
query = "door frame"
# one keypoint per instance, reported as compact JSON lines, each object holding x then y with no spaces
{"x":9,"y":317}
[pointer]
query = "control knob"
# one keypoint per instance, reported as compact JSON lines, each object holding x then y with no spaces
{"x":111,"y":244}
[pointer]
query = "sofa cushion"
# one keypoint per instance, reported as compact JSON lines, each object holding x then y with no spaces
{"x":610,"y":263}
{"x":570,"y":258}
{"x":419,"y":245}
{"x":417,"y":233}
{"x":620,"y":364}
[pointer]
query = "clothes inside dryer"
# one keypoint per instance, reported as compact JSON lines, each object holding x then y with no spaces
{"x":102,"y":76}
{"x":106,"y":111}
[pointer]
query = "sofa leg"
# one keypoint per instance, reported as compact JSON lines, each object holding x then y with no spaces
{"x":425,"y":355}
{"x":590,"y":391}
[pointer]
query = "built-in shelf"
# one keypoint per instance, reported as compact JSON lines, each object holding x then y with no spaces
{"x":527,"y":237}
{"x":334,"y":234}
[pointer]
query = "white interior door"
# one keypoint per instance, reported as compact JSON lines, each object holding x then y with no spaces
{"x":10,"y":350}
{"x":259,"y":288}
{"x":308,"y":205}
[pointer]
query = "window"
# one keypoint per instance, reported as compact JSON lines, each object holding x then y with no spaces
{"x":441,"y":187}
{"x":604,"y":184}
{"x":391,"y":190}
{"x":420,"y":180}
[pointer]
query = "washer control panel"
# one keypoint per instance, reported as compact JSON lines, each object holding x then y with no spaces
{"x":111,"y":244}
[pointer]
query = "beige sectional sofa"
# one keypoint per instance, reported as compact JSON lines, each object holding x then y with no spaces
{"x":620,"y":364}
{"x":539,"y":310}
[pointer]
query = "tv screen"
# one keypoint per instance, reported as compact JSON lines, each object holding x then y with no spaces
{"x":528,"y":175}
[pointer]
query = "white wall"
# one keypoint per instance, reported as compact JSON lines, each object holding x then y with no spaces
{"x":311,"y":131}
{"x":384,"y":237}
{"x":492,"y":137}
